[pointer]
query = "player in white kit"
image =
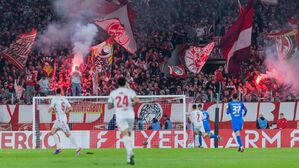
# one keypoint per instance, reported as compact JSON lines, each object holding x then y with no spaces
{"x":197,"y":118}
{"x":123,"y":100}
{"x":60,"y":106}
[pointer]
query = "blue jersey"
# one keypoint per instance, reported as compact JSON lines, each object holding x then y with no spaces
{"x":205,"y":121}
{"x":235,"y":109}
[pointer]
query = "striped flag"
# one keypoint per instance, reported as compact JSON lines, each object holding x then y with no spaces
{"x":235,"y":44}
{"x":18,"y":51}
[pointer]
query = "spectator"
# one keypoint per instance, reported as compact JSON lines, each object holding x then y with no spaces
{"x":44,"y":86}
{"x":112,"y":123}
{"x":76,"y":78}
{"x":262,"y":123}
{"x":140,"y":123}
{"x":30,"y":90}
{"x":282,"y":122}
{"x":219,"y":78}
{"x":167,"y":123}
{"x":155,"y":125}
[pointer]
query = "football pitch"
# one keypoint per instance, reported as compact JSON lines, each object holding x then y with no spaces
{"x":152,"y":158}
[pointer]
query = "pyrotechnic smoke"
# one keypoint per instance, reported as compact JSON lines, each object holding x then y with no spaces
{"x":284,"y":71}
{"x":82,"y":40}
{"x":73,"y":27}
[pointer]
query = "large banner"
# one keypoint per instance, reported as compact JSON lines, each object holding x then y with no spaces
{"x":18,"y":51}
{"x":155,"y":139}
{"x":117,"y":24}
{"x":196,"y":57}
{"x":88,"y":115}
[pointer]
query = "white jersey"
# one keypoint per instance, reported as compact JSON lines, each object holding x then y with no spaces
{"x":122,"y":101}
{"x":60,"y":104}
{"x":76,"y":77}
{"x":197,"y":117}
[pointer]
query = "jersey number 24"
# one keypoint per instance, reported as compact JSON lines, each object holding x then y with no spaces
{"x":122,"y":101}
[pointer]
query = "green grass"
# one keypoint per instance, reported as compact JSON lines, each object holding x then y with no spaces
{"x":152,"y":158}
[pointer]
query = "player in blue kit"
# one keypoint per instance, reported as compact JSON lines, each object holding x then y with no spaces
{"x":206,"y":125}
{"x":235,"y":109}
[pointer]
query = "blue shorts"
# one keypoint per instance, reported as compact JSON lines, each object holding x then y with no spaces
{"x":237,"y":125}
{"x":207,"y":127}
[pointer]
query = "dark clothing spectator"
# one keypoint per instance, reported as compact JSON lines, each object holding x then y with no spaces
{"x":30,"y":89}
{"x":155,"y":125}
{"x":262,"y":123}
{"x":140,"y":124}
{"x":167,"y":123}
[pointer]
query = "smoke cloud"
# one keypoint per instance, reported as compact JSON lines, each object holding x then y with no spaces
{"x":283,"y":71}
{"x":82,"y":40}
{"x":73,"y":27}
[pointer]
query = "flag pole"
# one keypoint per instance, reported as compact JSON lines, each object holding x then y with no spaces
{"x":217,"y":115}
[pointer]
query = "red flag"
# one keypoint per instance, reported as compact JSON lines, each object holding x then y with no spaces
{"x":236,"y":42}
{"x":177,"y":71}
{"x":117,"y":24}
{"x":240,"y":7}
{"x":196,"y":57}
{"x":18,"y":51}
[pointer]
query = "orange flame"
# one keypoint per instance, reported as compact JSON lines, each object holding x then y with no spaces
{"x":73,"y":68}
{"x":258,"y":79}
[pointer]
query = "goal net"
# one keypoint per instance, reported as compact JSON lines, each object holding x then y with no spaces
{"x":160,"y":122}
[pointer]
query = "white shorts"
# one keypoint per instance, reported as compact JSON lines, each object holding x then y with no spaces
{"x":61,"y":125}
{"x":125,"y":123}
{"x":198,"y":128}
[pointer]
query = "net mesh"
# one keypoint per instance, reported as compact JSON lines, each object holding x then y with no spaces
{"x":93,"y":125}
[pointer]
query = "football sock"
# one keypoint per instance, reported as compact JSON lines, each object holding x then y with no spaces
{"x":200,"y":141}
{"x":128,"y":145}
{"x":72,"y":139}
{"x":213,"y":136}
{"x":239,"y":141}
{"x":56,"y":140}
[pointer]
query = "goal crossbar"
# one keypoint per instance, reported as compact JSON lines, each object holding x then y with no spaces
{"x":155,"y":98}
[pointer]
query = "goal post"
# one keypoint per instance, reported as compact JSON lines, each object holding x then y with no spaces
{"x":93,"y":126}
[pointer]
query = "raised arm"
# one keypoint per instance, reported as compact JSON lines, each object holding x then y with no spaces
{"x":68,"y":109}
{"x":227,"y":109}
{"x":135,"y":101}
{"x":68,"y":106}
{"x":245,"y":110}
{"x":51,"y":110}
{"x":52,"y":107}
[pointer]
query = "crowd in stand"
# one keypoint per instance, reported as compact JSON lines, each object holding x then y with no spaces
{"x":159,"y":27}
